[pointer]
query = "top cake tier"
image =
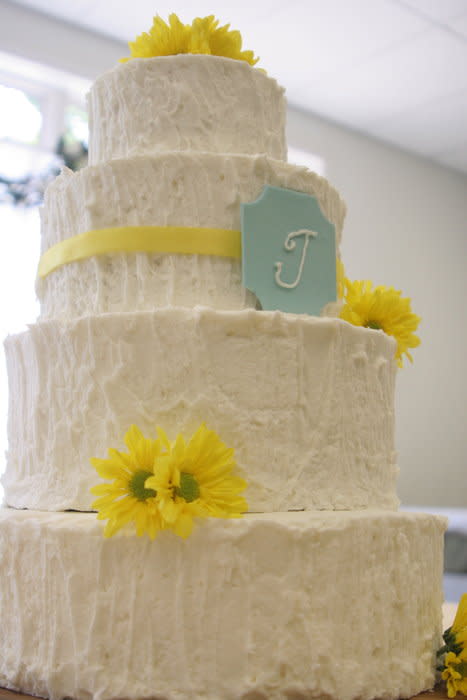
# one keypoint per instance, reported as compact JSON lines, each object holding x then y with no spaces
{"x":185,"y":103}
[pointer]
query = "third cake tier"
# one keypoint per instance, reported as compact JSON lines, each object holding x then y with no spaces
{"x":307,"y":403}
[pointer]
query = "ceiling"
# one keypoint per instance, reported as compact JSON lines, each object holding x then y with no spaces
{"x":393,"y":69}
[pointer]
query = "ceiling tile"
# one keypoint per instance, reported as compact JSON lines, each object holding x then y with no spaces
{"x":440,"y":10}
{"x":115,"y":20}
{"x":321,"y":38}
{"x":433,"y":128}
{"x":70,"y":11}
{"x":416,"y":72}
{"x":459,"y":25}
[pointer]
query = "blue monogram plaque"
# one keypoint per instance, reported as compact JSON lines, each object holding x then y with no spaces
{"x":288,"y":251}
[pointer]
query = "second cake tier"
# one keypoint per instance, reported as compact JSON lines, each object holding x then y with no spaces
{"x":307,"y":403}
{"x":170,"y":189}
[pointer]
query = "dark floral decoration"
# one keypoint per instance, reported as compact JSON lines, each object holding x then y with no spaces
{"x":28,"y":191}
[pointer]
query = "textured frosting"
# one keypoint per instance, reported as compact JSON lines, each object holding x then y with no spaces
{"x":183,"y":103}
{"x":182,"y":189}
{"x":306,"y":402}
{"x":359,"y":613}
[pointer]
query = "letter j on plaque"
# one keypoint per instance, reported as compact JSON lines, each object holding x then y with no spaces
{"x":288,"y":252}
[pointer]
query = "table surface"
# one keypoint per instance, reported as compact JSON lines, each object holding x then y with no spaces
{"x":439,"y":693}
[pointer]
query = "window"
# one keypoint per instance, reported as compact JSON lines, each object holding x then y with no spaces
{"x":20,"y":116}
{"x":42,"y":125}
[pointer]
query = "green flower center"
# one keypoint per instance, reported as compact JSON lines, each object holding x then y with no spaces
{"x":462,"y":669}
{"x":375,"y":325}
{"x":137,"y":488}
{"x":189,"y":488}
{"x":451,"y":643}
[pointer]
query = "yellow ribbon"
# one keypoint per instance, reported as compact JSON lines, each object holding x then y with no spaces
{"x":183,"y":240}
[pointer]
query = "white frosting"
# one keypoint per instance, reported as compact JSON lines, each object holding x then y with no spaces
{"x":287,"y":605}
{"x":276,"y":605}
{"x":290,"y":244}
{"x":182,"y":189}
{"x":183,"y":103}
{"x":307,"y":403}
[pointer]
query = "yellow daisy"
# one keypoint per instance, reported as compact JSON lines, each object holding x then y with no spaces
{"x":459,"y":626}
{"x":196,"y":480}
{"x":208,"y":38}
{"x":455,"y":637}
{"x":455,"y":673}
{"x":382,"y":308}
{"x":126,"y":499}
{"x":203,"y":36}
{"x":161,"y":40}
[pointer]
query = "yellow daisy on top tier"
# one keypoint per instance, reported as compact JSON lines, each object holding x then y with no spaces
{"x":382,"y":308}
{"x":203,"y":36}
{"x":196,"y":480}
{"x":126,"y":499}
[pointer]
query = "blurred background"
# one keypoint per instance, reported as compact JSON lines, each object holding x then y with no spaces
{"x":377,"y":93}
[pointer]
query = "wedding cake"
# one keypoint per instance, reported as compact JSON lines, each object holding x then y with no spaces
{"x":323,"y":588}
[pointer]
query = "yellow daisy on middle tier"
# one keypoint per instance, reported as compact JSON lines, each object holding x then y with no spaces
{"x":196,"y":480}
{"x":126,"y":499}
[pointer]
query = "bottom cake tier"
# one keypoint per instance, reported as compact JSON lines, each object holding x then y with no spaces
{"x":271,"y":606}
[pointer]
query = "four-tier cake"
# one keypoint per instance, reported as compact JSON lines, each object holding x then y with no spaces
{"x":322,"y":589}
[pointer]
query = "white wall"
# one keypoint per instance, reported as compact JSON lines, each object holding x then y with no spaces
{"x":406,"y":226}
